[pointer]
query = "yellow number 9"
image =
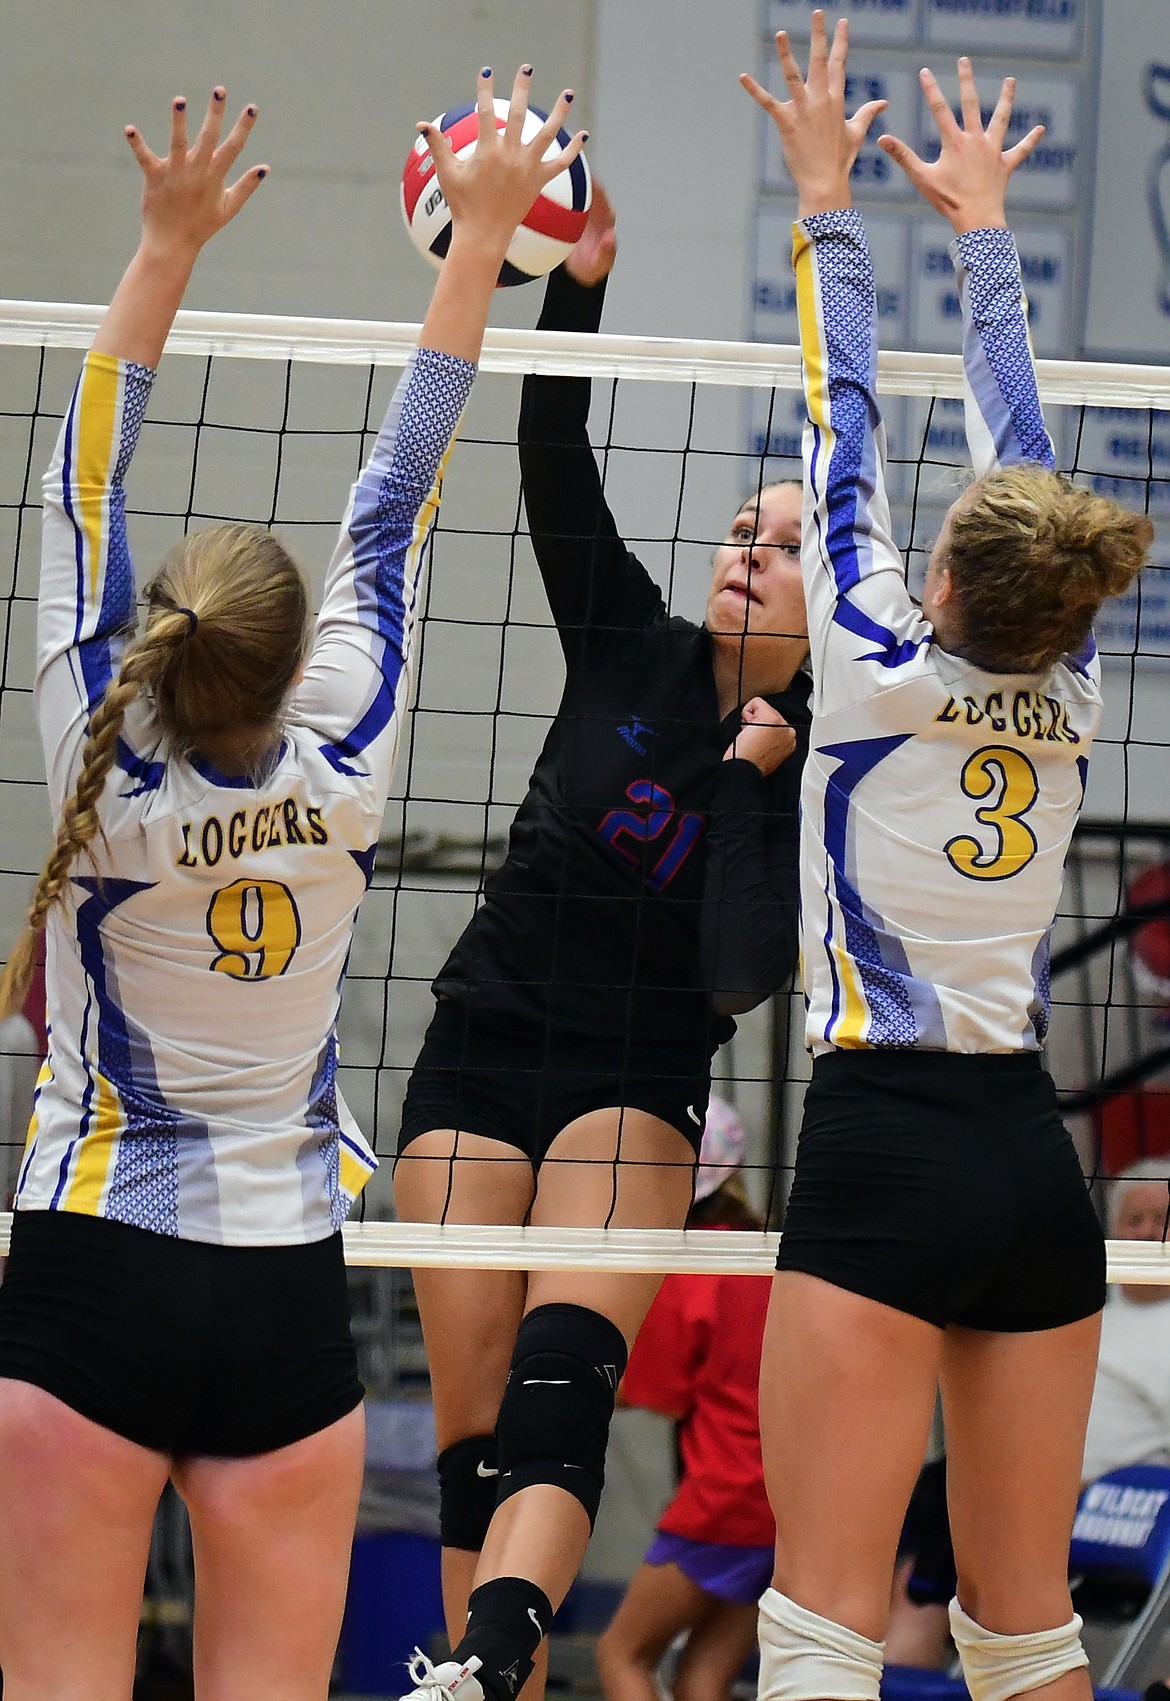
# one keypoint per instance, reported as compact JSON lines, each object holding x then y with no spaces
{"x":1008,"y":778}
{"x":256,"y":927}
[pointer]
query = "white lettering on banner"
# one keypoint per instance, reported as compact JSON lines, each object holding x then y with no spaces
{"x":1117,"y":1515}
{"x":869,"y":20}
{"x":1055,"y":26}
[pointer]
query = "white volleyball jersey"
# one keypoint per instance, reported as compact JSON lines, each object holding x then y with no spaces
{"x":195,"y":968}
{"x":938,"y":800}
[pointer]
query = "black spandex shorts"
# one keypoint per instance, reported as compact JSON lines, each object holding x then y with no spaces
{"x":947,"y":1186}
{"x":186,"y":1348}
{"x":523,"y":1087}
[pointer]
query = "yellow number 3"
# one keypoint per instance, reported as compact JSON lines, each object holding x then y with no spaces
{"x":257,"y":928}
{"x":1009,"y":780}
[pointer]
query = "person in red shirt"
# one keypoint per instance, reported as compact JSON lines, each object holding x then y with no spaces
{"x":697,"y":1360}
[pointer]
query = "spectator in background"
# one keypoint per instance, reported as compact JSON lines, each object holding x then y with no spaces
{"x":697,"y":1360}
{"x":1129,"y":1424}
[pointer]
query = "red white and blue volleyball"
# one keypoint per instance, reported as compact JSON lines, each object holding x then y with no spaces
{"x":551,"y":225}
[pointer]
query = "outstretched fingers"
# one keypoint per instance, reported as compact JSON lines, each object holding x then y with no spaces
{"x":243,"y":190}
{"x":903,"y":155}
{"x":551,"y":128}
{"x":518,"y":105}
{"x":232,"y":146}
{"x":146,"y":157}
{"x":1017,"y":155}
{"x":969,"y":99}
{"x":762,"y":96}
{"x":485,"y":106}
{"x":178,"y":127}
{"x":789,"y":68}
{"x":997,"y":127}
{"x":209,"y":131}
{"x":939,"y":105}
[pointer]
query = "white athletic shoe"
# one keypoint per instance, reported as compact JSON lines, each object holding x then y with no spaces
{"x":448,"y":1681}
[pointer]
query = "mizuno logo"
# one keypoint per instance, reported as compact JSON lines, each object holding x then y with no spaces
{"x":482,"y":1470}
{"x":634,"y":734}
{"x":547,"y":1382}
{"x":536,"y":1621}
{"x":694,"y":1116}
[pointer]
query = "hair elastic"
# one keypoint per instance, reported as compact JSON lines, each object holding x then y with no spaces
{"x":192,"y":619}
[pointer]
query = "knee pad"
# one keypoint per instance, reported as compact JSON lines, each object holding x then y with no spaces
{"x":469,"y":1480}
{"x":804,"y":1656}
{"x":554,"y":1419}
{"x":995,"y":1666}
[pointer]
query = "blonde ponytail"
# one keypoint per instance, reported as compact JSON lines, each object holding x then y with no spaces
{"x":225,"y":635}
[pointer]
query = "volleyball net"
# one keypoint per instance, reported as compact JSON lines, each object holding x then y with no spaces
{"x":268,"y":419}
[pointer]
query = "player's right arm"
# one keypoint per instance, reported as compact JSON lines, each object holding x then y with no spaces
{"x":854,"y":584}
{"x":357,"y":679}
{"x":593,"y":583}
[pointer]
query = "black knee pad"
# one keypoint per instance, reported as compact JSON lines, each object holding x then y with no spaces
{"x":554,"y":1421}
{"x":469,"y":1480}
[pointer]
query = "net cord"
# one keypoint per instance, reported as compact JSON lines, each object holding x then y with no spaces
{"x":403,"y":1246}
{"x":368,"y":342}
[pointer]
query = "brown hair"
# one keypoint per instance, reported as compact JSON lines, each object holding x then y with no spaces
{"x":226,"y":632}
{"x":1032,"y":558}
{"x":727,"y":1207}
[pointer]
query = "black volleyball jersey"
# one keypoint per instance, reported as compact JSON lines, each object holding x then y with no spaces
{"x":650,"y":887}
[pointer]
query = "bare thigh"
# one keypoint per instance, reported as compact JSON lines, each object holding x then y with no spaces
{"x":847,"y":1390}
{"x":272,"y":1537}
{"x":1016,"y":1407}
{"x":77,"y":1505}
{"x":611,"y":1169}
{"x":469,"y":1317}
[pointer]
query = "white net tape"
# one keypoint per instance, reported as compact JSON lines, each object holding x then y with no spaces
{"x":405,"y":1246}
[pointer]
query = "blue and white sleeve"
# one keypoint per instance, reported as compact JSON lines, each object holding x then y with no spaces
{"x":1001,"y":403}
{"x":357,"y":680}
{"x":86,"y":602}
{"x":855,"y":587}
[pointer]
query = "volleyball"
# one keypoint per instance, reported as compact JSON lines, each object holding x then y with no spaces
{"x":549,"y":229}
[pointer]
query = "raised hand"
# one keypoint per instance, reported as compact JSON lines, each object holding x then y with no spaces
{"x":820,"y":144}
{"x":593,"y":257}
{"x":490,"y":192}
{"x":185,"y":198}
{"x":968,"y":182}
{"x":764,"y":739}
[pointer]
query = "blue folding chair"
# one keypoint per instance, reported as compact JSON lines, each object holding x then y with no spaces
{"x":1121,"y":1536}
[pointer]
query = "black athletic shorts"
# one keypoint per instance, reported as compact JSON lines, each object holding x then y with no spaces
{"x":522,"y":1087}
{"x":945,"y":1185}
{"x":183,"y":1347}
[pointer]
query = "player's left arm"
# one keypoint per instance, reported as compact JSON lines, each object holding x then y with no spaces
{"x":968,"y":185}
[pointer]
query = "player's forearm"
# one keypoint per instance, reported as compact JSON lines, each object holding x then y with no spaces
{"x":1004,"y":419}
{"x":139,"y":318}
{"x":458,"y":314}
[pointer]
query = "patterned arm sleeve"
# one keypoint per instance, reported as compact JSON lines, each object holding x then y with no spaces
{"x":854,"y":582}
{"x":86,"y":605}
{"x":358,"y":677}
{"x":1001,"y":404}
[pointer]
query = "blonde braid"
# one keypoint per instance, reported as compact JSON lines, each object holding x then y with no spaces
{"x":80,"y":823}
